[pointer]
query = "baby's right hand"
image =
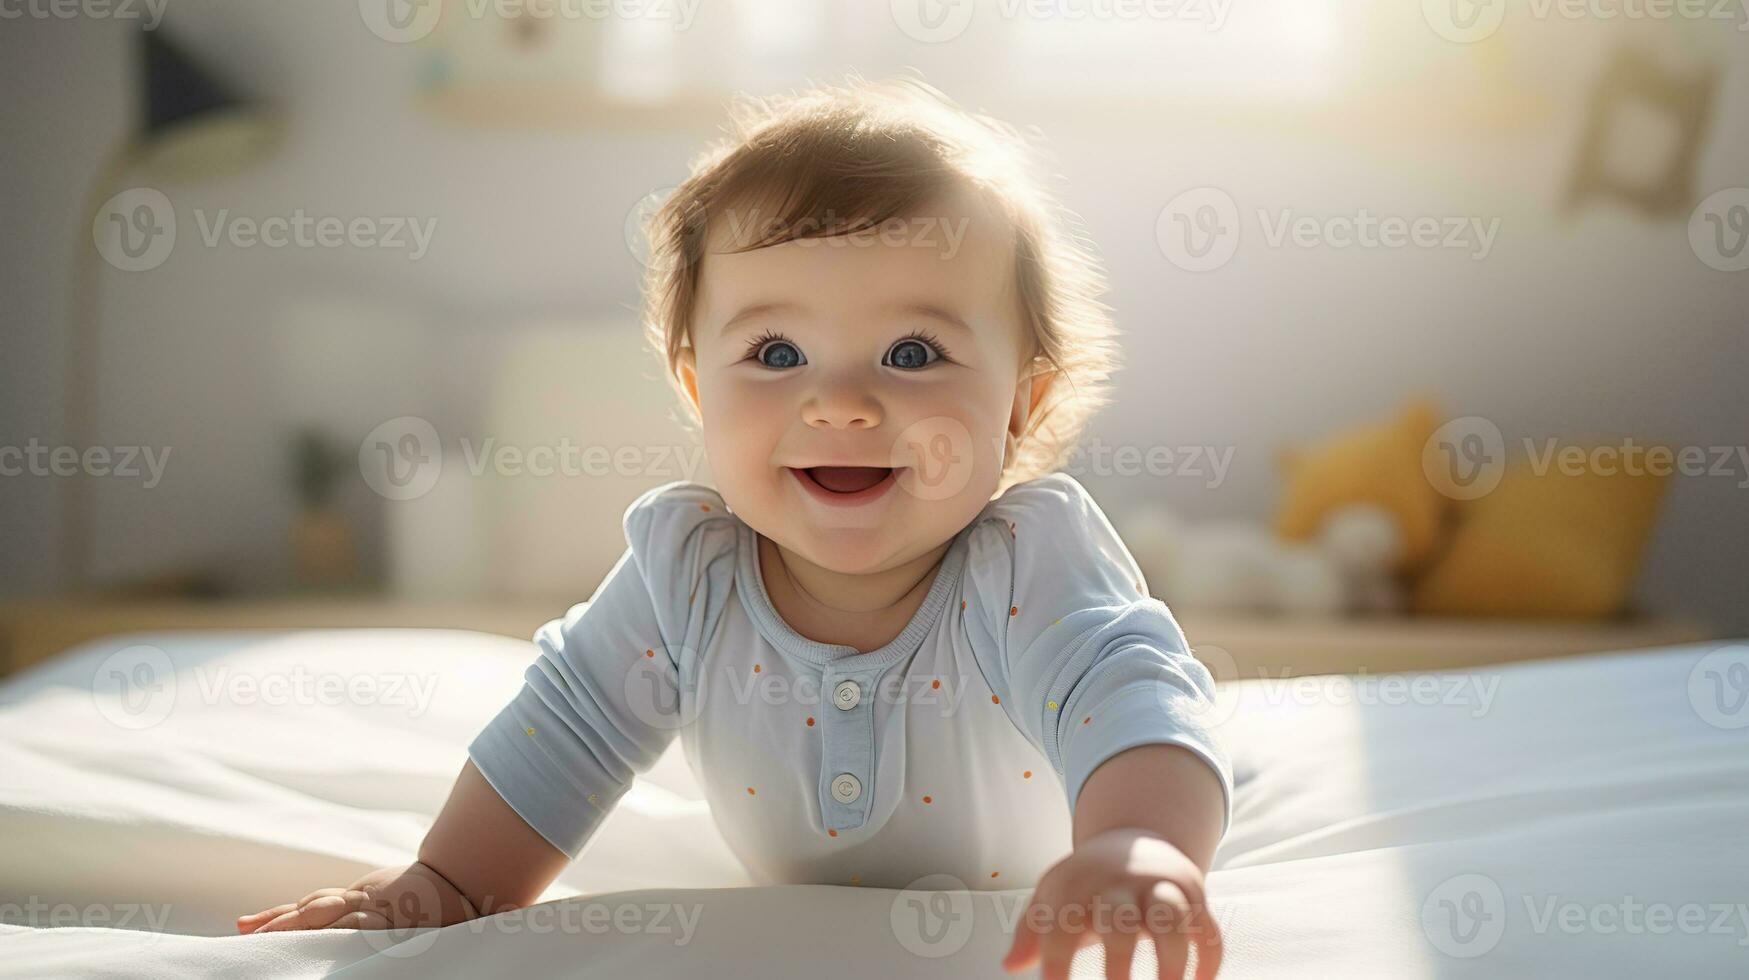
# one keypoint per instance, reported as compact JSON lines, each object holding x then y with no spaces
{"x":391,"y":898}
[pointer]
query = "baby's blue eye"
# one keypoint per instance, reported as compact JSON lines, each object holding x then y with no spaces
{"x":779,"y":354}
{"x":910,"y":354}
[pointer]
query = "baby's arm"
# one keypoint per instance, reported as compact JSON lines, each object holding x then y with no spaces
{"x":479,"y":858}
{"x":598,"y":705}
{"x":1100,"y":677}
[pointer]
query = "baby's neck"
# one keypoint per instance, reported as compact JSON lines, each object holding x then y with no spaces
{"x":861,"y":611}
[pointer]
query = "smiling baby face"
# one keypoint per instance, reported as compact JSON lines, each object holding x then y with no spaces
{"x":860,"y":393}
{"x":877,"y":315}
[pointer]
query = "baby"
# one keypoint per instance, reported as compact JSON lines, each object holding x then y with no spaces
{"x":892,"y":642}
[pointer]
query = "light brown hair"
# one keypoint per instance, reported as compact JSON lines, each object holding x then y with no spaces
{"x":842,"y":159}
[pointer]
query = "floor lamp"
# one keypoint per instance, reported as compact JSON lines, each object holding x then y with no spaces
{"x":190,"y":128}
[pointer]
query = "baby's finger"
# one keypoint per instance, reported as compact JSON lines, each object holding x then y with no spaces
{"x":311,"y":915}
{"x":1209,"y":949}
{"x":248,"y":923}
{"x":1120,"y":952}
{"x":1057,"y":952}
{"x":360,"y":919}
{"x":1172,"y":949}
{"x":1023,"y":952}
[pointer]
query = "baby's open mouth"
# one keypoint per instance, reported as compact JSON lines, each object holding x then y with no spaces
{"x":846,"y":479}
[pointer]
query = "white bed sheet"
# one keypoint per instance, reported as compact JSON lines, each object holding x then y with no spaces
{"x":1530,"y":820}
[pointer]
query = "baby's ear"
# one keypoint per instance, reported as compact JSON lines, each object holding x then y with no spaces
{"x":1029,"y":394}
{"x":686,"y":369}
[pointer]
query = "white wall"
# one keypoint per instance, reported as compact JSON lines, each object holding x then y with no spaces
{"x":1600,"y":326}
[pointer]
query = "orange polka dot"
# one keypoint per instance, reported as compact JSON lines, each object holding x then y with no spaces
{"x":935,"y":684}
{"x":1013,"y":610}
{"x":649,"y":653}
{"x":929,"y":799}
{"x":705,"y":507}
{"x":962,"y":605}
{"x":831,"y":833}
{"x":856,"y":879}
{"x":994,"y":873}
{"x":1026,"y":775}
{"x":749,"y":791}
{"x":757,"y":668}
{"x":810,"y":721}
{"x":1086,"y":719}
{"x":995,"y":700}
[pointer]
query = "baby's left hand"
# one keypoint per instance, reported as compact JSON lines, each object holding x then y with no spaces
{"x":1111,"y":890}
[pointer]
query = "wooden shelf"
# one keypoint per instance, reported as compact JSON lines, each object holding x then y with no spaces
{"x":1233,"y":645}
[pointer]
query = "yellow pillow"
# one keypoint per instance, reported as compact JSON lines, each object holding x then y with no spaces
{"x":1374,"y":464}
{"x":1557,"y":544}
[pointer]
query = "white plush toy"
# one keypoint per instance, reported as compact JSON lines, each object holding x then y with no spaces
{"x":1240,"y":565}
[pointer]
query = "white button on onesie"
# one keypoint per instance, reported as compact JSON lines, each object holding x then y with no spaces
{"x":959,"y":748}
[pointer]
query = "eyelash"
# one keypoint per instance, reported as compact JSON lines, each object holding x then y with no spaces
{"x":923,"y":337}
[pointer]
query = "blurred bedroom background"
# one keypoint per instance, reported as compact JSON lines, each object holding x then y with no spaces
{"x":345,"y":292}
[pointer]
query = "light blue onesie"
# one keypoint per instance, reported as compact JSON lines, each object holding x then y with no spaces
{"x":958,"y":748}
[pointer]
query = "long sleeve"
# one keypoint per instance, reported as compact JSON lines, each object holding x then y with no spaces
{"x":1085,"y":662}
{"x":605,"y":696}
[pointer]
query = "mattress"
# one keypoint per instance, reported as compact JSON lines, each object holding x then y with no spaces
{"x":1582,"y":817}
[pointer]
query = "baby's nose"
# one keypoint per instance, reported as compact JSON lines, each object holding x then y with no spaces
{"x":842,"y":407}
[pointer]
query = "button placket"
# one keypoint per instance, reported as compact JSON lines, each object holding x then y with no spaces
{"x":847,"y":757}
